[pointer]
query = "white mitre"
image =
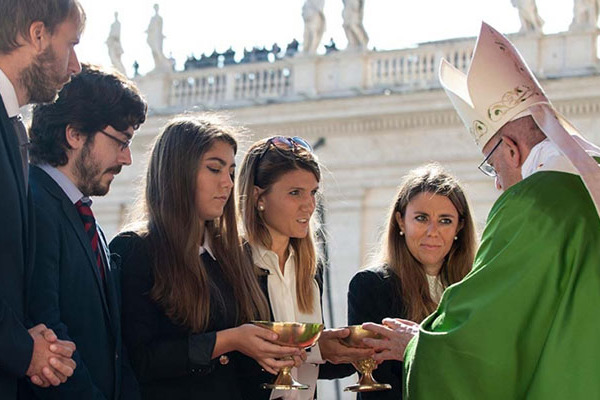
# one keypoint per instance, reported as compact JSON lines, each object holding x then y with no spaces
{"x":498,"y":87}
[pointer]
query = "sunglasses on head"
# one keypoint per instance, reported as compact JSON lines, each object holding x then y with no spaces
{"x":285,"y":143}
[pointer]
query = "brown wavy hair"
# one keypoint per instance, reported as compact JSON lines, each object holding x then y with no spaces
{"x":262,"y":167}
{"x":409,"y":275}
{"x":181,"y":284}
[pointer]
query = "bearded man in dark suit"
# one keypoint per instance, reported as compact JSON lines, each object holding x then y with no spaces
{"x":37,"y":57}
{"x":79,"y":144}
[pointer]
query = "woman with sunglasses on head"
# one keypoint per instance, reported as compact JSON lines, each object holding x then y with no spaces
{"x":429,"y":244}
{"x":279,"y":182}
{"x":189,"y":290}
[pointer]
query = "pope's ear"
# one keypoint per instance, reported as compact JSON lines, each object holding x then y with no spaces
{"x":513,"y":152}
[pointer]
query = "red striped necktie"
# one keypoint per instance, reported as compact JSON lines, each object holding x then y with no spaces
{"x":89,"y":225}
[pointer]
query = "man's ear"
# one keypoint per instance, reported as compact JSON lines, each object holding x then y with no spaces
{"x":74,"y":138}
{"x":513,"y":152}
{"x":38,"y":36}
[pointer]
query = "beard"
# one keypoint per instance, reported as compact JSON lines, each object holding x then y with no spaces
{"x":41,"y":79}
{"x":89,"y":173}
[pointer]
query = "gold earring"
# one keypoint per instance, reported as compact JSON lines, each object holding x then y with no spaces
{"x":261,"y":207}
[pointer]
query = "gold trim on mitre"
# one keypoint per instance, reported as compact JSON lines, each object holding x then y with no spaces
{"x":498,"y":85}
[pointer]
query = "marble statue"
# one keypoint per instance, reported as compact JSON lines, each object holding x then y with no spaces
{"x":585,"y":15}
{"x":528,"y":14}
{"x":115,"y":50}
{"x":155,"y":41}
{"x":353,"y":24}
{"x":314,"y":25}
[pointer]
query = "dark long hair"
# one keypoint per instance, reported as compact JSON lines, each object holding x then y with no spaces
{"x":408,"y":273}
{"x":172,"y":225}
{"x":262,"y":167}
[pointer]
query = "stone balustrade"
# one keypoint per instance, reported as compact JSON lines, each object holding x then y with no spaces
{"x":342,"y":74}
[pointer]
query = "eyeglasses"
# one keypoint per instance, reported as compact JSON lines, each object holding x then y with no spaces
{"x":124,"y":143}
{"x":285,"y":143}
{"x":486,"y":167}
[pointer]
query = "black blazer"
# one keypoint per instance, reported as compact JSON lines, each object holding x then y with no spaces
{"x":16,"y":260}
{"x":69,"y":297}
{"x":169,"y":360}
{"x":373,"y":296}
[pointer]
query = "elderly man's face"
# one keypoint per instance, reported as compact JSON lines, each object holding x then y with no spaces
{"x":506,"y":159}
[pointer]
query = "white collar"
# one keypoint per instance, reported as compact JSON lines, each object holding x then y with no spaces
{"x":545,"y":156}
{"x":70,"y":189}
{"x":268,"y":259}
{"x":9,"y":96}
{"x":206,"y":246}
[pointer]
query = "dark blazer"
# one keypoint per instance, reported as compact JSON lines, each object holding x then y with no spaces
{"x":373,"y":296}
{"x":169,"y":360}
{"x":69,"y":297}
{"x":16,"y":260}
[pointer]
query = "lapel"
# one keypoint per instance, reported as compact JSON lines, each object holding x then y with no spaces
{"x":74,"y":219}
{"x":112,"y":289}
{"x":30,"y":246}
{"x":9,"y":137}
{"x":71,"y":215}
{"x":263,"y":282}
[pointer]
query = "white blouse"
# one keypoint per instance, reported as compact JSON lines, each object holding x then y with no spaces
{"x":282,"y":295}
{"x":436,"y":289}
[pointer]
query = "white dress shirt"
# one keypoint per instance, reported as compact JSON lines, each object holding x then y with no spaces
{"x":282,"y":295}
{"x":9,"y":96}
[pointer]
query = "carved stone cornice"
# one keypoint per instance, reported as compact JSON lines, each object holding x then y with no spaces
{"x":406,"y":121}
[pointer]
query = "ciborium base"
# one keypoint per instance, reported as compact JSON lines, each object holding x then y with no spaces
{"x":368,"y":388}
{"x":285,"y":381}
{"x":367,"y":383}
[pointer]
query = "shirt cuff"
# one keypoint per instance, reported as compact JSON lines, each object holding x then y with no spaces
{"x":200,"y":348}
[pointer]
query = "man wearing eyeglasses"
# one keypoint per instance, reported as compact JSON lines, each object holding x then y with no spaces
{"x":79,"y":144}
{"x":524,"y":323}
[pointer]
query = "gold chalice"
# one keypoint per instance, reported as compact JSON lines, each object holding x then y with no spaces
{"x":366,"y":382}
{"x":292,"y":334}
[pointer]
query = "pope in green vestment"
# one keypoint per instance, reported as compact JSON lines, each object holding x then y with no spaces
{"x":525,"y":323}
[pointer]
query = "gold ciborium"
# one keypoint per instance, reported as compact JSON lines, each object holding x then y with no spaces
{"x":366,"y":382}
{"x":291,"y":334}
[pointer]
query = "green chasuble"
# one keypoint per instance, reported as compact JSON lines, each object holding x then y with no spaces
{"x":525,"y":323}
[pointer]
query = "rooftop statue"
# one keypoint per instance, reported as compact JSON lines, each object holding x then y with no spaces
{"x":115,"y":50}
{"x":314,"y":25}
{"x":529,"y":16}
{"x":585,"y":15}
{"x":155,"y":41}
{"x":353,"y":24}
